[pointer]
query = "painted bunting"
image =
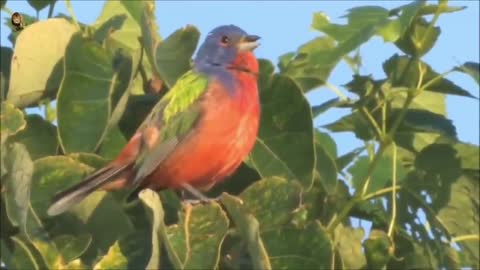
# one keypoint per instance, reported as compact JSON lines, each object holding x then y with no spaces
{"x":197,"y":134}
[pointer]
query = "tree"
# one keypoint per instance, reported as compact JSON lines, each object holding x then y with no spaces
{"x":299,"y":196}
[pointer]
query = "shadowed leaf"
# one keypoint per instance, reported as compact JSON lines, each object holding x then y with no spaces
{"x":37,"y":72}
{"x":286,"y":120}
{"x":470,"y":68}
{"x":12,"y":121}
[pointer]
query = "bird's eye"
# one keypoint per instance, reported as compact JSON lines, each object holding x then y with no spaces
{"x":224,"y":40}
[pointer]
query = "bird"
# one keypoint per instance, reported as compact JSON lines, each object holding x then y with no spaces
{"x":197,"y":134}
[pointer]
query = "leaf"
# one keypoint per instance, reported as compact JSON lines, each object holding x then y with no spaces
{"x":152,"y":201}
{"x":472,"y":69}
{"x":286,"y":132}
{"x":403,"y":71}
{"x":415,"y":41}
{"x":39,"y":137}
{"x":36,"y":73}
{"x":55,"y":173}
{"x":108,"y":27}
{"x":440,"y":160}
{"x":381,"y":175}
{"x":86,"y":95}
{"x":249,"y":229}
{"x":460,"y":214}
{"x":114,"y":259}
{"x":127,"y":36}
{"x":266,"y":70}
{"x":17,"y":182}
{"x":40,"y":4}
{"x":293,"y":248}
{"x":325,"y":162}
{"x":332,"y":103}
{"x":343,"y":161}
{"x":71,"y":247}
{"x":354,"y":123}
{"x":5,"y":60}
{"x":197,"y":237}
{"x":377,"y":249}
{"x":20,"y":257}
{"x":150,"y":37}
{"x":173,"y":55}
{"x":271,"y":201}
{"x":303,"y":68}
{"x":324,"y":140}
{"x":348,"y":242}
{"x":425,"y":121}
{"x":12,"y":121}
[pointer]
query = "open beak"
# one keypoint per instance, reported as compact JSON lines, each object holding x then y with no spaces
{"x":248,"y":43}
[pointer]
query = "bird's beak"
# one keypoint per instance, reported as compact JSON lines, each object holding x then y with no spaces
{"x":248,"y":43}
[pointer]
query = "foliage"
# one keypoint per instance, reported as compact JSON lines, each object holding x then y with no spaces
{"x":291,"y":203}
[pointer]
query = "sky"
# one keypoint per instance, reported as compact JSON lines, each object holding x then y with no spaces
{"x":285,"y":25}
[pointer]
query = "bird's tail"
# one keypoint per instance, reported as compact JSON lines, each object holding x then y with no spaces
{"x":75,"y":194}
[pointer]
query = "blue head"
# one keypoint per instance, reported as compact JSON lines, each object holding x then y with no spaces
{"x":226,"y":46}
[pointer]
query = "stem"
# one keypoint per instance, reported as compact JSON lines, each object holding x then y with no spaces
{"x":381,"y":192}
{"x":70,"y":11}
{"x":394,"y":191}
{"x":50,"y":9}
{"x":372,"y":122}
{"x":432,"y":23}
{"x":465,"y":238}
{"x":336,"y":91}
{"x":357,"y":197}
{"x":434,"y":80}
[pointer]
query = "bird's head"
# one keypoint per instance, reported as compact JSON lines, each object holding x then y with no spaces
{"x":228,"y":47}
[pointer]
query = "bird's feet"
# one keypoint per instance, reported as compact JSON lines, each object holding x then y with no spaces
{"x":199,"y":197}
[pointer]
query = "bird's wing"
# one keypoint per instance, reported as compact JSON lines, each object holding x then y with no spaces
{"x":169,"y":123}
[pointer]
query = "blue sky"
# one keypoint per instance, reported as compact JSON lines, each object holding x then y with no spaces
{"x":285,"y":25}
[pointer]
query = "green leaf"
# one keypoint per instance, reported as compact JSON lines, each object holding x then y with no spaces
{"x":344,"y":160}
{"x":332,"y":103}
{"x":56,"y":173}
{"x":12,"y":121}
{"x":425,"y":121}
{"x":197,"y":237}
{"x":403,"y":71}
{"x":40,"y":4}
{"x":152,"y":201}
{"x":150,"y":37}
{"x":293,"y":248}
{"x":442,"y":8}
{"x":304,"y":69}
{"x":469,"y":155}
{"x":271,"y":201}
{"x":266,"y":70}
{"x":249,"y":229}
{"x":348,"y":242}
{"x":5,"y":60}
{"x":2,"y":3}
{"x":108,"y":27}
{"x":460,"y":214}
{"x":71,"y":247}
{"x":286,"y":132}
{"x":472,"y":69}
{"x":86,"y":96}
{"x":20,"y":257}
{"x":439,"y":160}
{"x":172,"y":56}
{"x":19,"y":174}
{"x":380,"y":176}
{"x":89,"y":159}
{"x":415,"y":41}
{"x":127,"y":36}
{"x":377,"y":249}
{"x":325,"y":160}
{"x":354,"y":123}
{"x":39,"y":137}
{"x":37,"y":72}
{"x":114,"y":259}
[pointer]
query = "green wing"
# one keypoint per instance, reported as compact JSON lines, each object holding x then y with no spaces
{"x":174,"y":115}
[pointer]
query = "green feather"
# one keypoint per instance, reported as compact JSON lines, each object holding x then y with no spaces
{"x":185,"y":92}
{"x":175,"y":115}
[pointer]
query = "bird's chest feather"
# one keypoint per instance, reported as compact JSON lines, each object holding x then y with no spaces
{"x":223,"y":136}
